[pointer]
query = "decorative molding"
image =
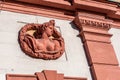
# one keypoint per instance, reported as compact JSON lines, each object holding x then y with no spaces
{"x":92,"y":22}
{"x":64,"y":4}
{"x":114,"y":15}
{"x":44,"y":75}
{"x":111,"y":10}
{"x":95,"y":23}
{"x":36,"y":10}
{"x":116,"y":24}
{"x":95,"y":6}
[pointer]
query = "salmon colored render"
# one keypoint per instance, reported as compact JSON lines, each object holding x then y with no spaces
{"x":93,"y":18}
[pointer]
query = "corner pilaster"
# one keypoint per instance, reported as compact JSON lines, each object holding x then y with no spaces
{"x":96,"y":40}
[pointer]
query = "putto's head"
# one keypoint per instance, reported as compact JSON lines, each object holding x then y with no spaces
{"x":50,"y":23}
{"x":48,"y":27}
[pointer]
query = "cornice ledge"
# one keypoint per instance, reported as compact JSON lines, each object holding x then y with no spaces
{"x":81,"y":21}
{"x":62,"y":4}
{"x":95,"y":6}
{"x":115,"y":15}
{"x":34,"y":10}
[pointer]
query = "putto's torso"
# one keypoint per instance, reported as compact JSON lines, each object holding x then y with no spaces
{"x":46,"y":45}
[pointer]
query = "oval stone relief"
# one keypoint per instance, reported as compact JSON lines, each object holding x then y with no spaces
{"x":41,"y":40}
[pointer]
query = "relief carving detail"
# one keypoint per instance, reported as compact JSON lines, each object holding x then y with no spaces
{"x":98,"y":23}
{"x":41,"y":40}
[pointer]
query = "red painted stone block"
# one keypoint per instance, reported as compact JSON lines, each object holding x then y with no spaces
{"x":105,"y":72}
{"x":51,"y":3}
{"x":60,"y":77}
{"x":101,"y":53}
{"x":94,"y":6}
{"x":95,"y":36}
{"x":74,"y":78}
{"x":20,"y":77}
{"x":44,"y":75}
{"x":40,"y":76}
{"x":50,"y":75}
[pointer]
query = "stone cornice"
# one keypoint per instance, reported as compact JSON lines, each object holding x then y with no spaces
{"x":92,"y":22}
{"x":95,"y":6}
{"x":36,"y":10}
{"x":61,"y":13}
{"x":53,"y":3}
{"x":115,"y":14}
{"x":111,"y":10}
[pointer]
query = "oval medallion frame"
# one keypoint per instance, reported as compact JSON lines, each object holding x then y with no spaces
{"x":29,"y":34}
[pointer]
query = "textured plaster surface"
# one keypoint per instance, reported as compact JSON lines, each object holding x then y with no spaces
{"x":13,"y":60}
{"x":116,"y":42}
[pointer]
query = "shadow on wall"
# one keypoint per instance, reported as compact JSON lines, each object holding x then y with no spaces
{"x":74,"y":27}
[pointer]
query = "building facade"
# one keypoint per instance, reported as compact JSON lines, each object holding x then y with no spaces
{"x":90,"y":29}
